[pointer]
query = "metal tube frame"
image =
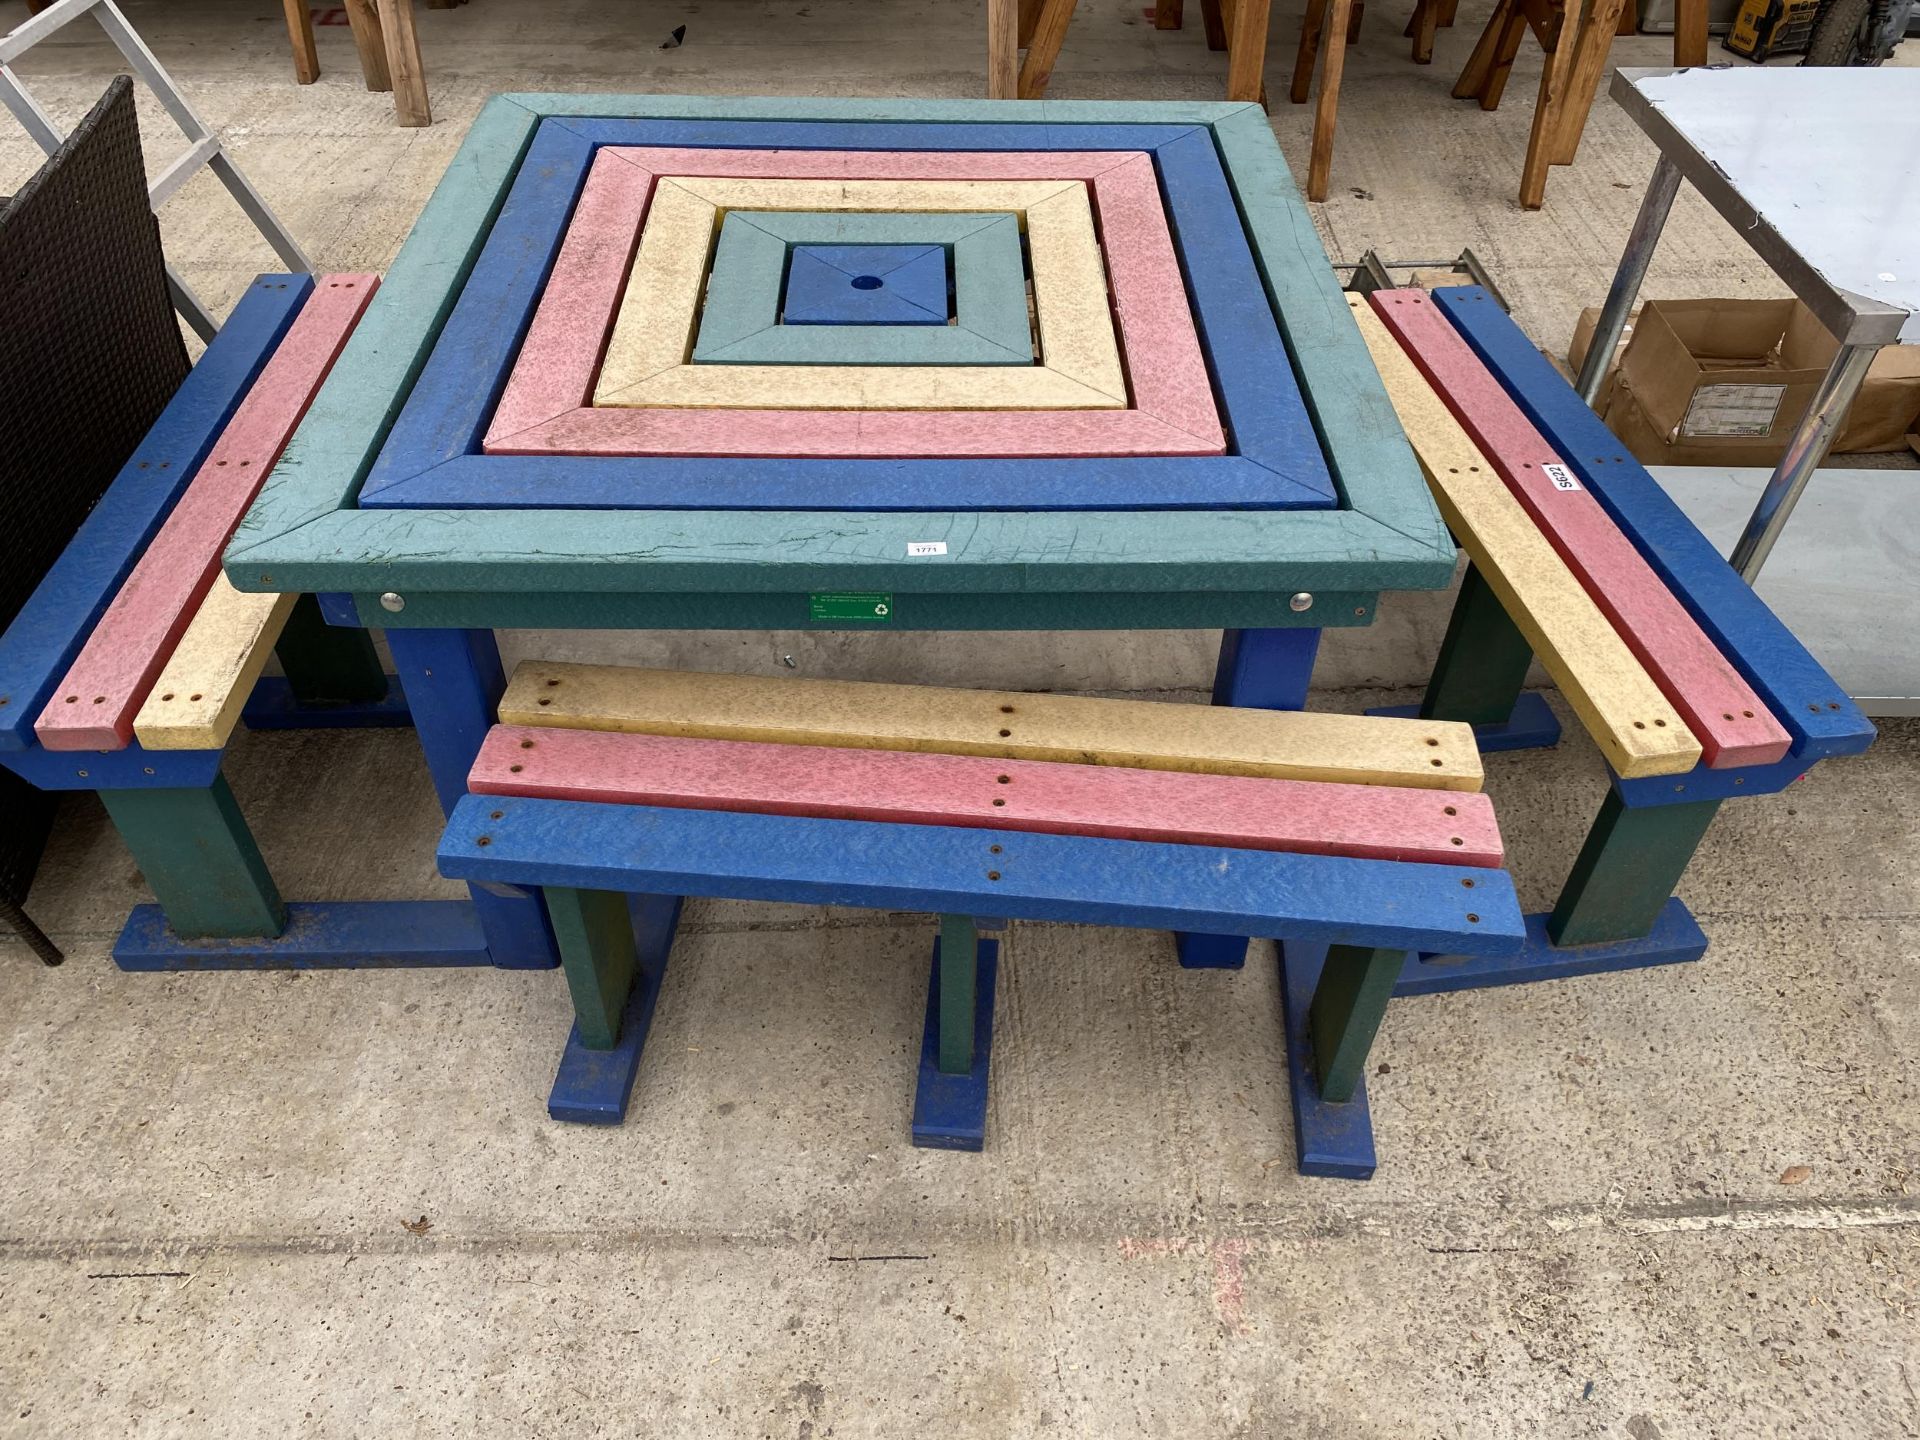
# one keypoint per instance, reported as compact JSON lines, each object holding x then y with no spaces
{"x":1817,"y":427}
{"x":204,"y":146}
{"x":1804,"y":452}
{"x":1655,"y":206}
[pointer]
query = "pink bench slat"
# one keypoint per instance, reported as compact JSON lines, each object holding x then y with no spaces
{"x":915,"y":788}
{"x":1734,"y":726}
{"x":94,"y":707}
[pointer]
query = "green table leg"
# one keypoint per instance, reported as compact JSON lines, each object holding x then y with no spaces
{"x":1347,"y":1007}
{"x":199,"y":858}
{"x":1630,"y":865}
{"x":328,"y":664}
{"x":959,"y":977}
{"x":595,"y":932}
{"x":1483,"y":661}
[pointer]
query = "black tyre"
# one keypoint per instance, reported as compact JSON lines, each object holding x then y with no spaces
{"x":1836,"y":33}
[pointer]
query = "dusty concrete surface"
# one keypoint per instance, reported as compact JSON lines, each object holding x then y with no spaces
{"x":1579,"y":1227}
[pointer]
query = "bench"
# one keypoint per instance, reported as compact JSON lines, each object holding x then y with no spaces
{"x":1358,"y":843}
{"x":1692,"y":689}
{"x":131,"y":664}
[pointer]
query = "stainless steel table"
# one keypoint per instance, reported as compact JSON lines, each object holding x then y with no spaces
{"x":1820,"y":171}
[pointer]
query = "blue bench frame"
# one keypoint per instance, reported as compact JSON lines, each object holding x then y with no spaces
{"x":1647,"y":828}
{"x":162,"y":800}
{"x":611,"y":872}
{"x":432,"y":458}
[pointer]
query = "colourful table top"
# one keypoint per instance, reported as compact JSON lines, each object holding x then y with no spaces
{"x":673,"y":361}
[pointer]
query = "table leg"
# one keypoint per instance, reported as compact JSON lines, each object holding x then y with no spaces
{"x":453,"y":683}
{"x":306,"y":59}
{"x":403,"y":63}
{"x":1690,"y":32}
{"x":1037,"y":69}
{"x":1589,"y":63}
{"x":1003,"y":53}
{"x":1261,"y":670}
{"x":1555,"y":80}
{"x":371,"y":43}
{"x":1634,"y":260}
{"x":1308,"y":52}
{"x":1804,"y":452}
{"x":1247,"y":50}
{"x":1326,"y":109}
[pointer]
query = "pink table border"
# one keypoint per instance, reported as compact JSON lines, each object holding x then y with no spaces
{"x":546,"y":406}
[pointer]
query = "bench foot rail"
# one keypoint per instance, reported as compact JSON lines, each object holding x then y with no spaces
{"x":614,"y":949}
{"x":950,"y":1094}
{"x":327,"y":935}
{"x":1532,"y":725}
{"x":274,"y":705}
{"x":1675,"y":938}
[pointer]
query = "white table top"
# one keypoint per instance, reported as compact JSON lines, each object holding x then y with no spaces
{"x":1818,"y":168}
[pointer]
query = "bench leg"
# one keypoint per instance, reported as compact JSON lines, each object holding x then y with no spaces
{"x":1348,"y":1005}
{"x":1627,"y":870}
{"x":328,"y":664}
{"x":453,"y":683}
{"x":1479,"y":676}
{"x":597,"y":953}
{"x":1261,"y":670}
{"x":950,"y":1096}
{"x":614,"y":949}
{"x":333,"y":679}
{"x":1331,"y":1138}
{"x":198,"y":857}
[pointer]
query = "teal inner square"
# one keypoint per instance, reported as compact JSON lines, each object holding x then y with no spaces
{"x":868,"y":285}
{"x":740,"y":323}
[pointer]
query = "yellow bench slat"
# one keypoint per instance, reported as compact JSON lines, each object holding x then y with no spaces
{"x":1150,"y":735}
{"x":196,"y":702}
{"x":1635,"y":727}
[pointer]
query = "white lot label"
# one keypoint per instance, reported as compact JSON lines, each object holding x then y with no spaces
{"x":1732,"y":412}
{"x":1561,"y":477}
{"x":926,"y":547}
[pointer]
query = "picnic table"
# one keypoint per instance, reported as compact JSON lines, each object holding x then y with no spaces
{"x":627,"y":373}
{"x":1174,"y":460}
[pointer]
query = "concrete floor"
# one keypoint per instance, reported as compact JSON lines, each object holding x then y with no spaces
{"x":1580,"y":1225}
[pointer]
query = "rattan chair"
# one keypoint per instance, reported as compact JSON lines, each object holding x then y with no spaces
{"x":90,"y":353}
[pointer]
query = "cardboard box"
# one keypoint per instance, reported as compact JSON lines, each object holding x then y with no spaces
{"x":1725,"y":382}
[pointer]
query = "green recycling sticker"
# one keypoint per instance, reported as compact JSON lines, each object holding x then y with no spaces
{"x":847,"y":605}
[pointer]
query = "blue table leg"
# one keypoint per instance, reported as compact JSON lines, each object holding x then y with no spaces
{"x":950,"y":1103}
{"x":453,"y":683}
{"x":1262,"y":670}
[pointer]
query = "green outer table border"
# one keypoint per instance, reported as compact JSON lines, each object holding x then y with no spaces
{"x":303,"y":534}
